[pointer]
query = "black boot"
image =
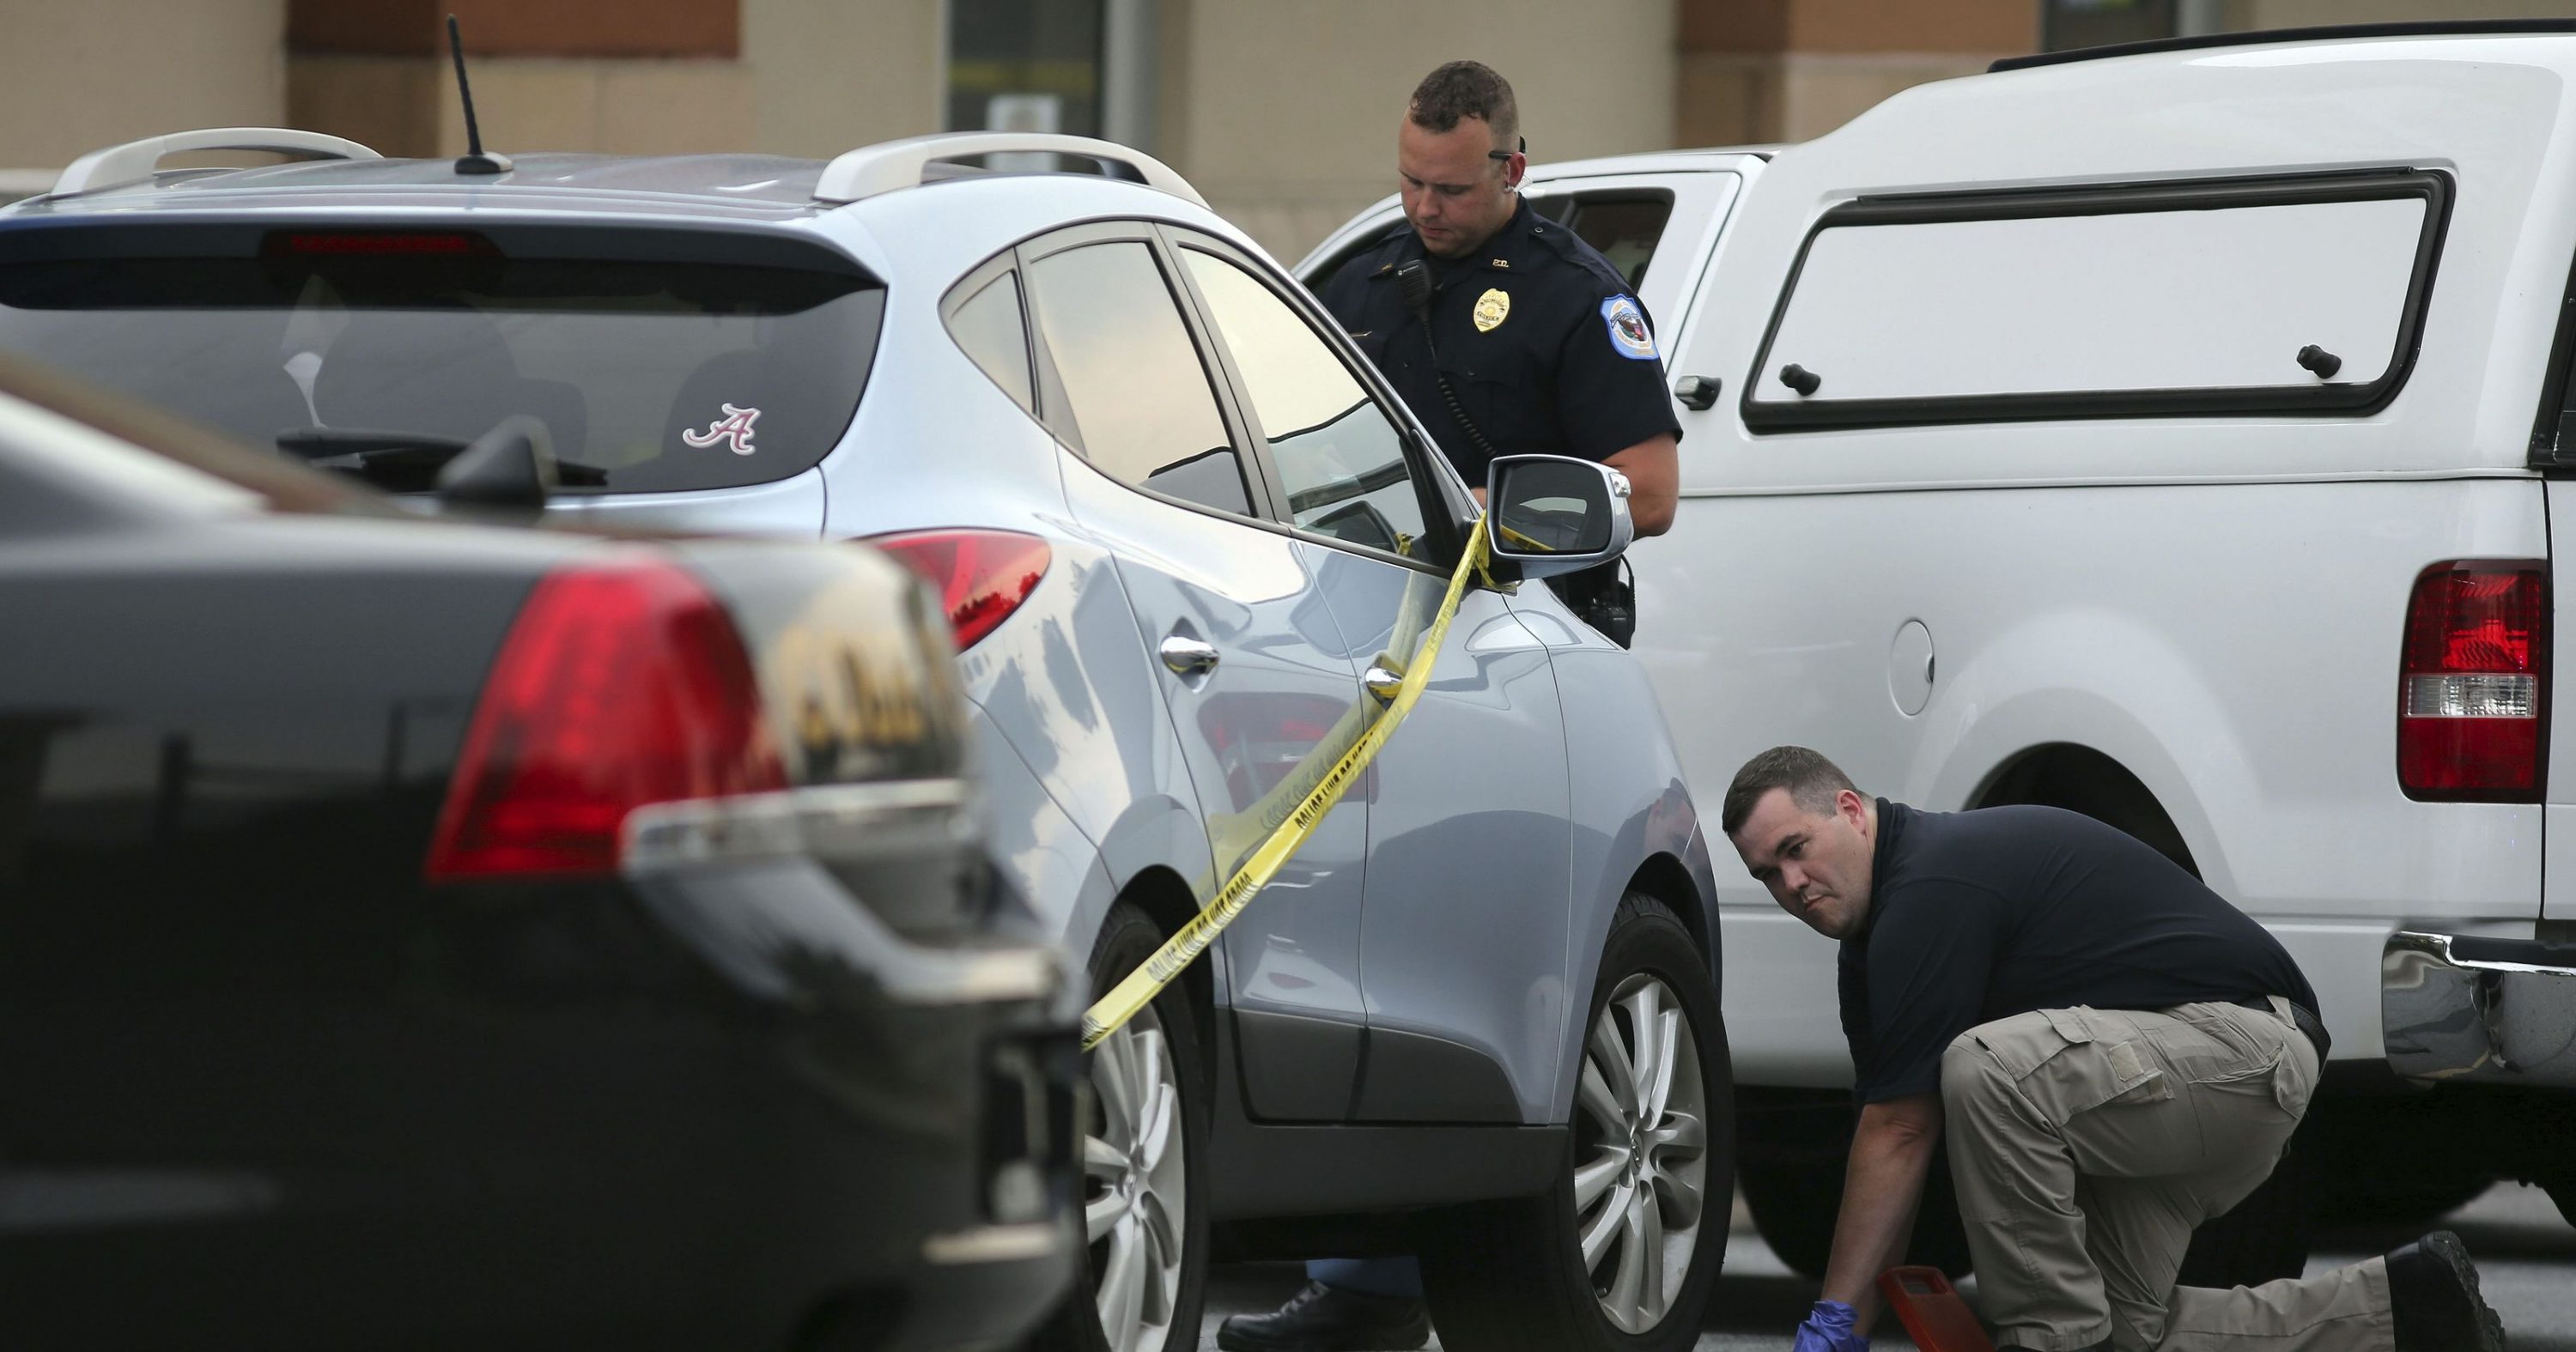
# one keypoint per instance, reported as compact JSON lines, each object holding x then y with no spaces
{"x":2434,"y":1301}
{"x":1324,"y":1318}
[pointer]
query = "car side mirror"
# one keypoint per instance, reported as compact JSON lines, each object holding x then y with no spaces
{"x":511,"y":467}
{"x":1556,"y":514}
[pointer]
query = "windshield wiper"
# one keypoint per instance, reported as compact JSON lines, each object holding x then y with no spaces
{"x":402,"y":462}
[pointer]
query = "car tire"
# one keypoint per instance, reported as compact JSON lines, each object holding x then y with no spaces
{"x":1139,"y":1204}
{"x":1509,"y":1275}
{"x":2412,"y":1204}
{"x":2561,"y":1187}
{"x":1791,"y":1168}
{"x":2398,"y":1161}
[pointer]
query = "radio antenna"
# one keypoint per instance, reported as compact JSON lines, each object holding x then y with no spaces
{"x":475,"y":161}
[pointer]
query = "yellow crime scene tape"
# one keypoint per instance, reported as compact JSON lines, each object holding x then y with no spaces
{"x":1315,"y":785}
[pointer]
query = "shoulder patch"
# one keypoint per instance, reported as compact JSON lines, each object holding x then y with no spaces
{"x":1627,"y":325}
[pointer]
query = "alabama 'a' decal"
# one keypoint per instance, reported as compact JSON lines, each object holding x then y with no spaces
{"x":734,"y":429}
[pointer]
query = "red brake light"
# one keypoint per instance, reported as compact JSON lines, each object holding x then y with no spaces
{"x":982,"y":575}
{"x":405,"y":243}
{"x":619,"y":685}
{"x":2473,"y":684}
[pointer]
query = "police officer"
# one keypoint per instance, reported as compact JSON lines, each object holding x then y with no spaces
{"x":2114,"y":1052}
{"x":1506,"y":335}
{"x":1504,"y":332}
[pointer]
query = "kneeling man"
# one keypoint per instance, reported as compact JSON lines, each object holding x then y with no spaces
{"x":2116,"y":1055}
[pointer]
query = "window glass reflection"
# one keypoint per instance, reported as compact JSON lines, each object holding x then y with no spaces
{"x":1132,"y":376}
{"x":1339,"y":457}
{"x":988,"y":329}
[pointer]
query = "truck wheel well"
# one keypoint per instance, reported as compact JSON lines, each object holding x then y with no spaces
{"x":1166,"y":901}
{"x":2081,"y":779}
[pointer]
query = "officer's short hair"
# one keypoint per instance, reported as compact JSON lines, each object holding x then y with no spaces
{"x":1812,"y":782}
{"x":1467,"y":89}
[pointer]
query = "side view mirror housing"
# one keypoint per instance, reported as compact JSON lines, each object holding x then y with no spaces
{"x":510,"y":468}
{"x":1555,"y":514}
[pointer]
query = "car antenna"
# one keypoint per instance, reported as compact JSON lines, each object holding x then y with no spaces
{"x":475,"y":160}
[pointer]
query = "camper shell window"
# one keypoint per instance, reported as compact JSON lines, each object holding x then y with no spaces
{"x":2294,"y":296}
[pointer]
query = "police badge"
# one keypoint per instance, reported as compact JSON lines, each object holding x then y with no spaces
{"x":1492,"y":308}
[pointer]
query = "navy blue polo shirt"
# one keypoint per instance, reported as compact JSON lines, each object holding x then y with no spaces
{"x":1544,"y":347}
{"x":1978,"y":916}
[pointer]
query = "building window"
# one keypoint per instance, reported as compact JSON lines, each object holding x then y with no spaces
{"x":1026,"y":65}
{"x":2068,"y":24}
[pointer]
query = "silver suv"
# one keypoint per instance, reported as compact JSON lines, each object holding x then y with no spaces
{"x":1184,"y":533}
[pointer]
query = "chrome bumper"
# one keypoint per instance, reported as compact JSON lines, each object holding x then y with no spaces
{"x":2479,"y":1010}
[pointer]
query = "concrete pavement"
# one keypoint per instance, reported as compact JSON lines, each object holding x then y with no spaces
{"x":2526,"y":1256}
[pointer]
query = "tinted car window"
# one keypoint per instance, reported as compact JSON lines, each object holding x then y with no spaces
{"x":663,"y":373}
{"x":1625,"y":227}
{"x":988,"y":328}
{"x":1140,"y":398}
{"x":1338,"y":455}
{"x":1322,"y":274}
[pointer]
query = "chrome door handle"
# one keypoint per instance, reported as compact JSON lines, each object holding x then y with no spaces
{"x":1188,"y":656}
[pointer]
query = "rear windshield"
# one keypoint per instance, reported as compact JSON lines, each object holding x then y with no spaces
{"x":1624,"y":226}
{"x":657,"y":361}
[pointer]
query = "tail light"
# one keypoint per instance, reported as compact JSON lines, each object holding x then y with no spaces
{"x":982,"y":575}
{"x":2473,"y":684}
{"x":619,"y":685}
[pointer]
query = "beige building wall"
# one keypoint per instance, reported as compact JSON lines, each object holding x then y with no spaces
{"x":1731,"y":98}
{"x":87,"y":73}
{"x":408,"y":105}
{"x":615,"y":76}
{"x":1284,"y":114}
{"x":828,"y":75}
{"x":1754,"y":71}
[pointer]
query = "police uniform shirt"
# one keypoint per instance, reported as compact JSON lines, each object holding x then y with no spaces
{"x":1978,"y":916}
{"x":1544,"y":347}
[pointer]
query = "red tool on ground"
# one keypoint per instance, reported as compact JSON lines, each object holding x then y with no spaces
{"x":1931,"y":1310}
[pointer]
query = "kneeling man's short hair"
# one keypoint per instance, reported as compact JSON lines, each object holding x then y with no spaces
{"x":1812,"y":782}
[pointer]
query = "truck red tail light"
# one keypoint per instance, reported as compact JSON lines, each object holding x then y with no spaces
{"x":2473,"y":684}
{"x":619,"y":685}
{"x":982,"y":575}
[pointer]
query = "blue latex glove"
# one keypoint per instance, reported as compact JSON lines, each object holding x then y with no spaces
{"x":1829,"y":1329}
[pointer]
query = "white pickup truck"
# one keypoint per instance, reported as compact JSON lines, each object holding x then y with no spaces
{"x":2177,"y":435}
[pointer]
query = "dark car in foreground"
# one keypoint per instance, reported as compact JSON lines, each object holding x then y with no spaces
{"x":416,"y":934}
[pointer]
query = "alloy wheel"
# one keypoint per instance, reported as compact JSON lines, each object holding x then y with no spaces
{"x":1641,"y":1142}
{"x":1135,"y":1185}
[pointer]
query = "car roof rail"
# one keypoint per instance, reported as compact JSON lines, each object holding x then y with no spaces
{"x":887,"y":166}
{"x":134,"y":162}
{"x":2418,"y":28}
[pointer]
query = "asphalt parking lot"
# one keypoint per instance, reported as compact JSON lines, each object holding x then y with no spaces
{"x":2526,"y":1259}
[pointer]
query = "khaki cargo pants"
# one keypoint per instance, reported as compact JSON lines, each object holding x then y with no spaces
{"x":2087,"y":1143}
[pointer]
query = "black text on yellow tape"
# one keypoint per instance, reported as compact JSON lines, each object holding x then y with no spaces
{"x":1138,"y":988}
